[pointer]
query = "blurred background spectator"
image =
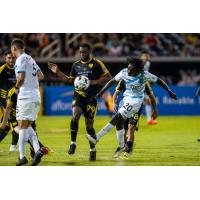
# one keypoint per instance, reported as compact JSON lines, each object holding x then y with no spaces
{"x":50,"y":46}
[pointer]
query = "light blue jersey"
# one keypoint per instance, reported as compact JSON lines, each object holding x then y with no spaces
{"x":135,"y":85}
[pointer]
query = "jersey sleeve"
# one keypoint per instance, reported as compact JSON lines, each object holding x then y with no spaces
{"x":103,"y":69}
{"x":150,"y":77}
{"x":148,"y":89}
{"x":21,"y":65}
{"x":119,"y":76}
{"x":72,"y":72}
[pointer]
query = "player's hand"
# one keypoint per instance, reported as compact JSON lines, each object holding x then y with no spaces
{"x":53,"y":67}
{"x":172,"y":95}
{"x":154,"y":114}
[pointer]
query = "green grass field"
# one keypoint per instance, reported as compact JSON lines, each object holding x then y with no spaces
{"x":173,"y":142}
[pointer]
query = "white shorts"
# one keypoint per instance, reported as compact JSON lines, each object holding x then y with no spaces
{"x":128,"y":107}
{"x":27,"y":110}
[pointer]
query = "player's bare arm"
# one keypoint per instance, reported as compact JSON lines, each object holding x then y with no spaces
{"x":6,"y":115}
{"x":104,"y":79}
{"x":40,"y":75}
{"x":154,"y":105}
{"x":54,"y":68}
{"x":20,"y":80}
{"x":165,"y":86}
{"x":108,"y":85}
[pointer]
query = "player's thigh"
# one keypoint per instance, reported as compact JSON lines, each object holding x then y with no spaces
{"x":89,"y":123}
{"x":90,"y":108}
{"x":76,"y":112}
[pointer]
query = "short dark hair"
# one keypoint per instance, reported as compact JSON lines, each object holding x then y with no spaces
{"x":86,"y":45}
{"x":136,"y":62}
{"x":18,"y":43}
{"x":7,"y":52}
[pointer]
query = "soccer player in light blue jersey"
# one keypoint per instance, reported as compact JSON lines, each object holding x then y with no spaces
{"x":135,"y":79}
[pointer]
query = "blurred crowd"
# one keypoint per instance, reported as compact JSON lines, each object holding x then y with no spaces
{"x":123,"y":44}
{"x":111,"y":44}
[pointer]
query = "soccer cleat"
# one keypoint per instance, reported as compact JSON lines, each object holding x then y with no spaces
{"x":13,"y":148}
{"x":118,"y":151}
{"x":37,"y":158}
{"x":125,"y":156}
{"x":92,"y":156}
{"x":72,"y":149}
{"x":22,"y":161}
{"x":152,"y":122}
{"x":198,"y":139}
{"x":92,"y":138}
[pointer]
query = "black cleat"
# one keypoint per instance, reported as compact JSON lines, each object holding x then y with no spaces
{"x":72,"y":149}
{"x":32,"y":153}
{"x":92,"y":156}
{"x":198,"y":139}
{"x":22,"y":161}
{"x":37,"y":157}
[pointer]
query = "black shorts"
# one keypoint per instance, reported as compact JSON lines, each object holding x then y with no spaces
{"x":88,"y":105}
{"x":133,"y":120}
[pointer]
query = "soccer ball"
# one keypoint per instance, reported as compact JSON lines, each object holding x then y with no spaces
{"x":81,"y":83}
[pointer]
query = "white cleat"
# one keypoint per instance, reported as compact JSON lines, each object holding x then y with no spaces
{"x":13,"y":148}
{"x":91,"y":139}
{"x":118,"y":151}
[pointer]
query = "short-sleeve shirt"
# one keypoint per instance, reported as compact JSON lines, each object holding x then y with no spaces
{"x":93,"y":69}
{"x":135,"y":85}
{"x":30,"y":87}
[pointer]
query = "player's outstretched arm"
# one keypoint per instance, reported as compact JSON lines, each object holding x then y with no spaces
{"x":108,"y":85}
{"x":165,"y":86}
{"x":54,"y":68}
{"x":6,"y":115}
{"x":154,"y":105}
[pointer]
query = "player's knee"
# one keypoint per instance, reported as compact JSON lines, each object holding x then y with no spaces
{"x":74,"y":125}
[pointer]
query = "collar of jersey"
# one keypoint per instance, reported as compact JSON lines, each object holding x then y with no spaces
{"x":9,"y":67}
{"x":87,"y":61}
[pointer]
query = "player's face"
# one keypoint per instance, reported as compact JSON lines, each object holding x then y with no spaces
{"x":9,"y":59}
{"x":84,"y":53}
{"x":132,"y":71}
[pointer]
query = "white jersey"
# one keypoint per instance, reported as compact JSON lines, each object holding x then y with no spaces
{"x":135,"y":85}
{"x":30,"y":87}
{"x":147,"y":66}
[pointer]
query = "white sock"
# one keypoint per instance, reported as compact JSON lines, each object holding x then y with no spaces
{"x":73,"y":142}
{"x":23,"y":139}
{"x":33,"y":139}
{"x":93,"y":149}
{"x":120,"y":137}
{"x":104,"y":130}
{"x":148,"y":112}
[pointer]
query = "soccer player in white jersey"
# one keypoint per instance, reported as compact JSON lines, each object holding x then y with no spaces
{"x":135,"y":79}
{"x":28,"y":74}
{"x":145,"y":56}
